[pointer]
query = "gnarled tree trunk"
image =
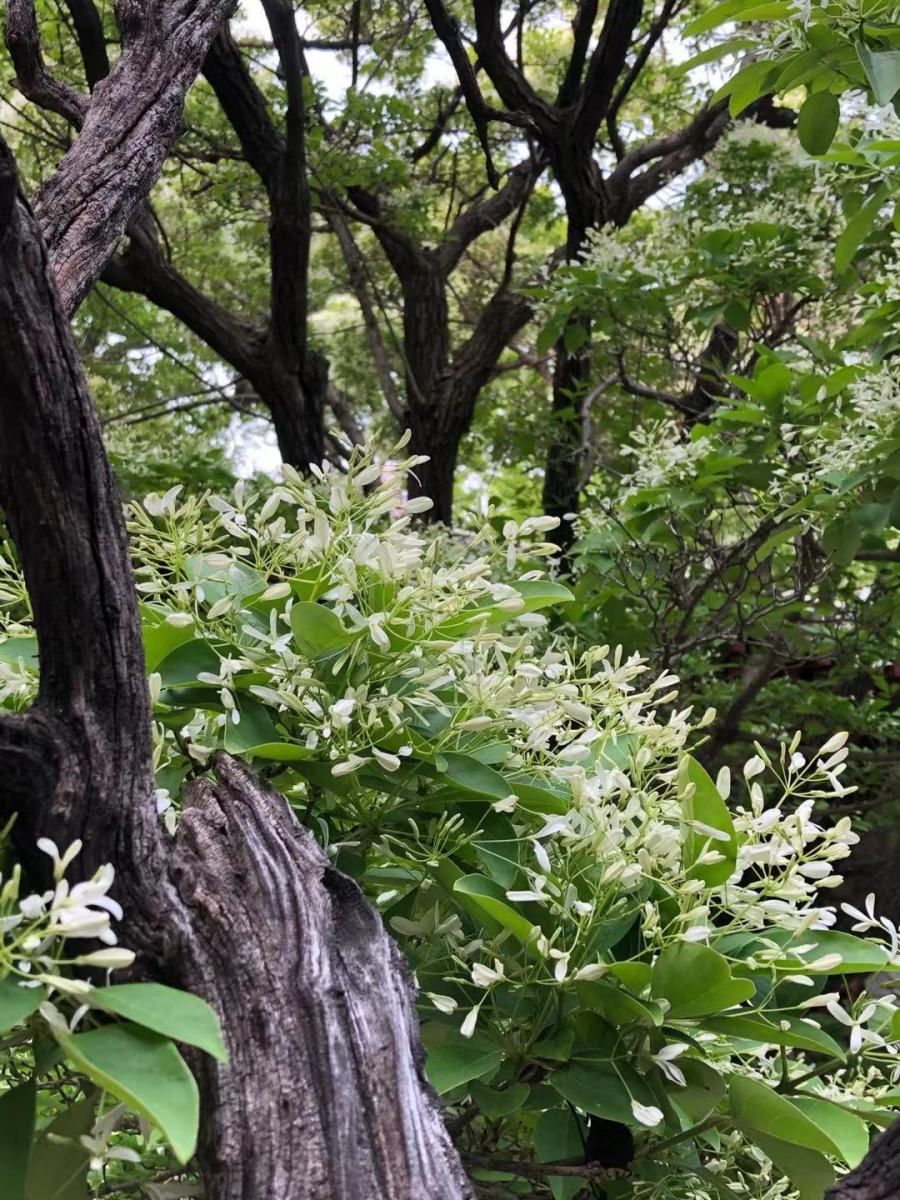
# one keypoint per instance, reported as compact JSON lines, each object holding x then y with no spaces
{"x":324,"y":1097}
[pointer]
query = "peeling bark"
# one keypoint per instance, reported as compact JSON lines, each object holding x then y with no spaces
{"x":325,"y":1096}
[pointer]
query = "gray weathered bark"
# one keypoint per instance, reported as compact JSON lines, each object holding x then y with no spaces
{"x":325,"y":1097}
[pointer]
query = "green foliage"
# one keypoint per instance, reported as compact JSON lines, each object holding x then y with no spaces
{"x":597,"y":926}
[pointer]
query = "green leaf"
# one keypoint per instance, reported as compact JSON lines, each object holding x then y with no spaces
{"x":858,"y":955}
{"x":756,"y":1108}
{"x":705,"y":807}
{"x":704,"y":1089}
{"x":495,"y":1103}
{"x":254,"y":729}
{"x":618,"y":1006}
{"x":453,"y":1063}
{"x":17,"y":1003}
{"x":187,"y":661}
{"x":596,"y":1088}
{"x":754,"y":1028}
{"x":882,"y":68}
{"x":176,"y":1014}
{"x":809,"y":1170}
{"x":818,"y":121}
{"x":557,"y":1137}
{"x":857,"y":229}
{"x":696,"y":981}
{"x":318,"y":630}
{"x":14,"y":649}
{"x":17,"y":1111}
{"x":474,"y":777}
{"x":59,"y":1165}
{"x":718,"y":15}
{"x":848,"y":1131}
{"x":841,"y":540}
{"x":489,"y":897}
{"x":145,"y":1071}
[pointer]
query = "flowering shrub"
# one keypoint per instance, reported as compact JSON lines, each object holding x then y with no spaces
{"x":87,"y":1060}
{"x":600,"y":932}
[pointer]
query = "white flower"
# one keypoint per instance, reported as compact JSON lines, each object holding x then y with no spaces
{"x":60,"y":863}
{"x":468,"y":1026}
{"x":485,"y":977}
{"x":835,"y":743}
{"x":592,"y":971}
{"x":753,"y":766}
{"x":390,"y":762}
{"x":115,"y":958}
{"x":665,"y":1060}
{"x":507,"y":804}
{"x":444,"y":1004}
{"x":180,"y":620}
{"x":858,"y":1034}
{"x":646,"y":1114}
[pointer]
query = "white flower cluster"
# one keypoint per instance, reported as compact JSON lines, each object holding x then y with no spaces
{"x":35,"y":928}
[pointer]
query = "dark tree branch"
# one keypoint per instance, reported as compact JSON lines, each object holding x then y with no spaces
{"x":447,"y":30}
{"x":290,"y":228}
{"x":245,"y":107}
{"x":582,"y":28}
{"x":129,"y":127}
{"x":143,"y":269}
{"x":481,"y":218}
{"x":356,"y":270}
{"x":657,"y":29}
{"x":33,"y":79}
{"x":603,"y":71}
{"x":91,"y":40}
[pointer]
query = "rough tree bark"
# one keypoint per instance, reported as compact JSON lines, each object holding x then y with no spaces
{"x":878,"y":1176}
{"x":324,"y":1097}
{"x":165,"y":43}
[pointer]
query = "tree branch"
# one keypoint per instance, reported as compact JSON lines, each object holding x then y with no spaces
{"x":128,"y":129}
{"x":33,"y":79}
{"x":481,"y":218}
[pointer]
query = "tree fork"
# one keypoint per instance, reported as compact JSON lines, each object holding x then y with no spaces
{"x":325,"y":1096}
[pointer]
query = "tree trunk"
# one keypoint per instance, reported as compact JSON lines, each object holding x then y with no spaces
{"x":296,"y":402}
{"x":435,"y":433}
{"x":324,"y":1097}
{"x":878,"y":1176}
{"x":562,"y":475}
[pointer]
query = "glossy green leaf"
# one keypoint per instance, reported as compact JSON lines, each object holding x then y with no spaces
{"x":618,"y":1006}
{"x":596,"y":1088}
{"x":846,"y":1129}
{"x":19,"y":649}
{"x":703,"y":1091}
{"x":858,"y":228}
{"x":809,"y":1170}
{"x":557,"y":1137}
{"x":176,"y":1014}
{"x":709,"y":824}
{"x":757,"y":1108}
{"x":458,"y":1061}
{"x":145,"y":1071}
{"x":474,"y":777}
{"x":496,"y":1103}
{"x":254,"y":729}
{"x":882,"y":68}
{"x":696,"y":981}
{"x":318,"y":630}
{"x":490,"y":898}
{"x":857,"y":955}
{"x":818,"y":121}
{"x":17,"y":1003}
{"x":59,"y":1164}
{"x":17,"y":1113}
{"x":755,"y":1028}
